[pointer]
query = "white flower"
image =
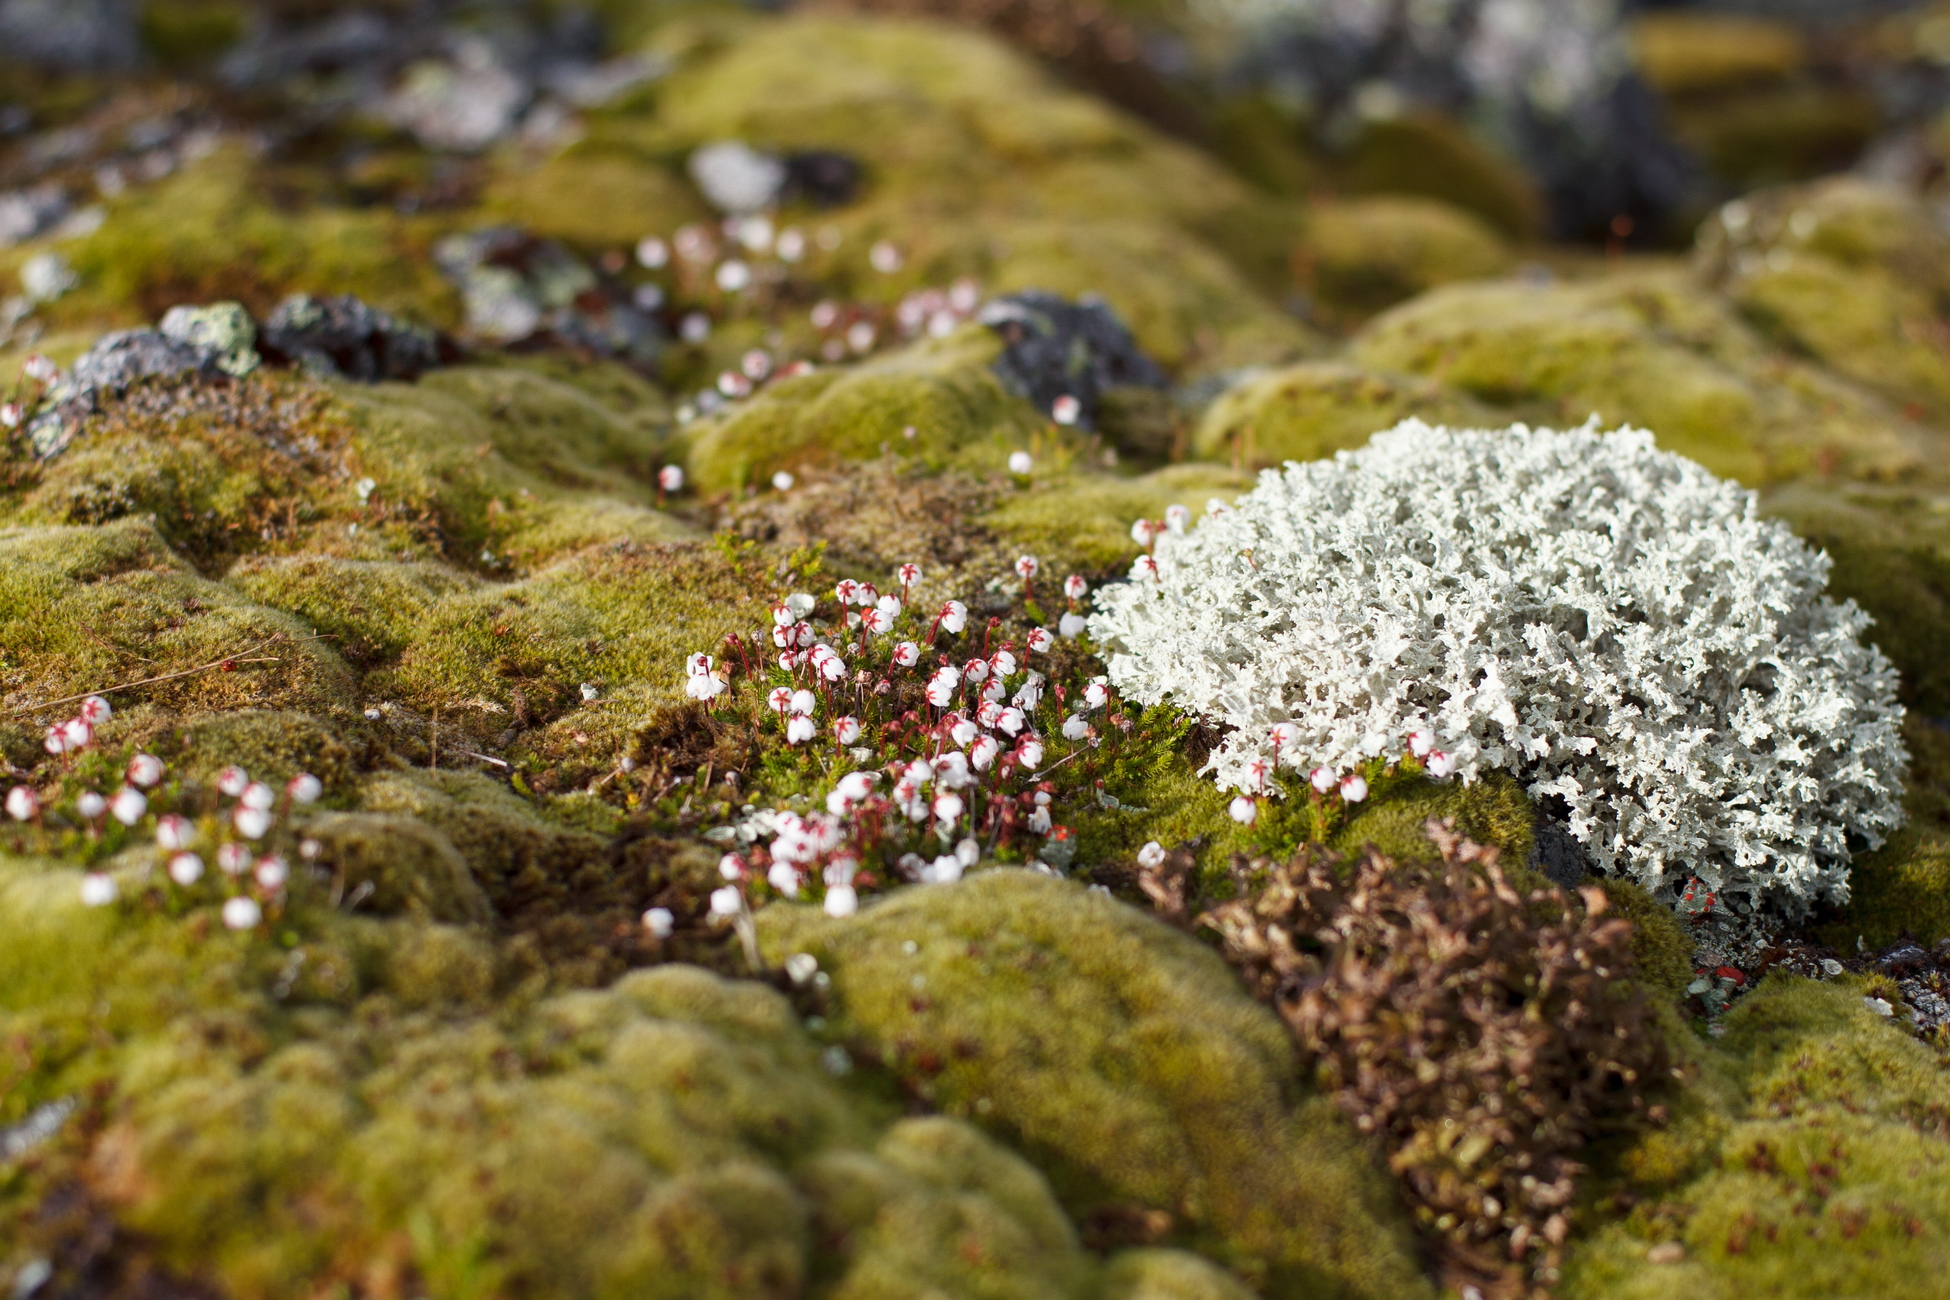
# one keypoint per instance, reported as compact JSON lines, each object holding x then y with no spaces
{"x":1039,"y":640}
{"x":1029,"y":753}
{"x":784,"y":877}
{"x":1177,"y":518}
{"x":233,"y":781}
{"x":242,"y":913}
{"x":782,"y":481}
{"x":671,"y":478}
{"x":98,"y":889}
{"x":907,"y":575}
{"x":1072,"y":626}
{"x":951,"y":771}
{"x":1030,"y":693}
{"x":944,"y":870}
{"x":1095,"y":694}
{"x":725,"y":902}
{"x":1004,"y":663}
{"x":704,"y":688}
{"x":963,"y":730}
{"x":1144,"y":569}
{"x":1039,"y":821}
{"x":272,"y":872}
{"x":1075,"y":727}
{"x":258,"y":795}
{"x":845,"y":591}
{"x":982,"y":754}
{"x":91,"y":805}
{"x":1151,"y":855}
{"x":128,"y":805}
{"x":1606,"y":621}
{"x":1065,"y":409}
{"x":22,"y":803}
{"x":969,"y":851}
{"x":145,"y":771}
{"x":1020,"y":462}
{"x":251,"y":823}
{"x":234,"y":859}
{"x":803,"y":701}
{"x":846,"y":730}
{"x":174,"y":832}
{"x":1009,"y":721}
{"x":1243,"y":810}
{"x":304,"y":788}
{"x":800,"y":729}
{"x":953,"y":617}
{"x":947,"y":807}
{"x":779,"y":699}
{"x":1420,"y":742}
{"x":1354,"y":788}
{"x":1075,"y":586}
{"x":841,"y":901}
{"x":94,"y":711}
{"x":1284,"y":735}
{"x":907,"y":654}
{"x":1322,"y":779}
{"x":1144,"y":532}
{"x":976,"y":670}
{"x":185,"y":869}
{"x":659,"y":922}
{"x":878,"y":621}
{"x":1026,"y":566}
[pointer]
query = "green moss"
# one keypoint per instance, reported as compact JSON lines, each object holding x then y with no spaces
{"x":1829,"y":1176}
{"x":272,"y":745}
{"x":1083,"y":522}
{"x":592,"y":197}
{"x":1430,"y":156}
{"x":372,"y":609}
{"x":208,"y":234}
{"x":86,"y":609}
{"x":1678,"y":53}
{"x":1167,"y":1085}
{"x":1660,"y":940}
{"x":1646,"y":349}
{"x":1316,"y":408}
{"x":187,"y":33}
{"x":942,"y":389}
{"x":1168,"y":1275}
{"x":1369,"y":254}
{"x":979,"y":165}
{"x":399,"y":864}
{"x":1493,"y":810}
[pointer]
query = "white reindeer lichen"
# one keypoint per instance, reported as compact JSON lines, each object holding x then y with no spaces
{"x":1606,"y":621}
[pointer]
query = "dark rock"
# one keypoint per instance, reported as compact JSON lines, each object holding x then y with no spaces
{"x":69,"y":35}
{"x":1557,"y":853}
{"x":1054,"y":348}
{"x":518,"y":289}
{"x":823,"y":178}
{"x":344,"y":336}
{"x":1549,"y":85}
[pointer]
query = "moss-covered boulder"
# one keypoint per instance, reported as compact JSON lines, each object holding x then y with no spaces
{"x":1124,"y":1056}
{"x":1368,"y":254}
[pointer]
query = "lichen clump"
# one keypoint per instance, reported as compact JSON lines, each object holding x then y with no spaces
{"x":1608,"y":622}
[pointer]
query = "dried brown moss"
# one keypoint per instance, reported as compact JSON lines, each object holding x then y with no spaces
{"x":1485,"y":1034}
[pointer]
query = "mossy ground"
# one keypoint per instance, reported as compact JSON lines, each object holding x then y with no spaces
{"x":456,"y":1064}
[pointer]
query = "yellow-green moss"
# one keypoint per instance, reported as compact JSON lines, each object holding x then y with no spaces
{"x":1082,"y":521}
{"x":941,"y":389}
{"x":86,"y":609}
{"x":1683,"y":52}
{"x":1430,"y":156}
{"x":1646,"y":348}
{"x":1369,"y":254}
{"x":1122,"y":1054}
{"x":1316,"y":408}
{"x":1830,"y":1173}
{"x":592,"y":197}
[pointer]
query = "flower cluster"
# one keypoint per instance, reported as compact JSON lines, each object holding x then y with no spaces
{"x":1608,"y":622}
{"x":237,"y":833}
{"x":927,"y":741}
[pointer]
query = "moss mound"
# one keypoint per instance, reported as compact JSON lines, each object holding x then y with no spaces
{"x":1176,"y":1094}
{"x":1820,"y":1172}
{"x":1369,"y":254}
{"x":1316,"y":408}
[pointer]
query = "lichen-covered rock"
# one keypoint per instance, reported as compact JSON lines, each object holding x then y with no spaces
{"x":1054,"y":350}
{"x":1121,"y":1051}
{"x":343,"y":336}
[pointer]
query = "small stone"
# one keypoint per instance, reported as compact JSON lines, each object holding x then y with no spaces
{"x":1879,"y":1006}
{"x":1666,"y":1252}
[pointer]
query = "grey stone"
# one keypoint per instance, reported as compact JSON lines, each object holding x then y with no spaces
{"x":1054,"y":348}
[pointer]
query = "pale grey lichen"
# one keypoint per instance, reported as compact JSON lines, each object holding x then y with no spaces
{"x":1607,"y":621}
